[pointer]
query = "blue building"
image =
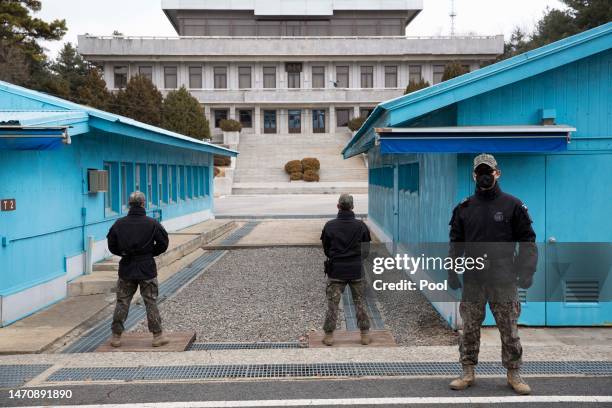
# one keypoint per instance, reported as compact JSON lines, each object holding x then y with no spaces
{"x":66,"y":171}
{"x":547,"y":117}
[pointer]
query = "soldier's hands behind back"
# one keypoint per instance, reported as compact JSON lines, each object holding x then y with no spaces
{"x":453,"y":280}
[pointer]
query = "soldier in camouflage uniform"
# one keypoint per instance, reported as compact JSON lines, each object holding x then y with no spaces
{"x":489,"y":224}
{"x":137,"y":239}
{"x":334,"y":290}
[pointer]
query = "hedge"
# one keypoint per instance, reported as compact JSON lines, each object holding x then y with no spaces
{"x":311,"y":163}
{"x":230,"y":125}
{"x":311,"y":175}
{"x":296,"y":175}
{"x":294,"y":166}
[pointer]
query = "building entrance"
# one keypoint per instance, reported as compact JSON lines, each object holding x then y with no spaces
{"x":295,"y":121}
{"x":269,"y":121}
{"x":318,"y":121}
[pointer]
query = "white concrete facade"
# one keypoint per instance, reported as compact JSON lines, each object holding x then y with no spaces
{"x":315,"y":99}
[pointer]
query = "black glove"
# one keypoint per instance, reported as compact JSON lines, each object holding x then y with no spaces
{"x":453,"y":280}
{"x":525,"y":282}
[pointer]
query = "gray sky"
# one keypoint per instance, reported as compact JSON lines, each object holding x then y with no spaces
{"x":145,"y":17}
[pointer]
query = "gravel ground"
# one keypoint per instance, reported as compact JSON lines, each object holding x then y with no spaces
{"x":270,"y":294}
{"x":278,"y":294}
{"x":411,"y":318}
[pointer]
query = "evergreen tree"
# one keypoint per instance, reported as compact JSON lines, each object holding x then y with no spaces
{"x":452,"y":70}
{"x":140,"y":100}
{"x":416,"y":85}
{"x":93,"y":92}
{"x":182,"y":113}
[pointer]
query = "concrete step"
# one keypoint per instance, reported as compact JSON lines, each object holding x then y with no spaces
{"x":182,"y":244}
{"x":301,"y":187}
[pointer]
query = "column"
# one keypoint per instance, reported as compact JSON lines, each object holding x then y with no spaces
{"x":257,"y":126}
{"x":355,"y":111}
{"x":332,"y":119}
{"x":232,"y":112}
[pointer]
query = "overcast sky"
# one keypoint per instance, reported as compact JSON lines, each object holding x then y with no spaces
{"x":145,"y":17}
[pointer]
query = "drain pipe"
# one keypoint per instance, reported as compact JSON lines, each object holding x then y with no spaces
{"x":89,"y":255}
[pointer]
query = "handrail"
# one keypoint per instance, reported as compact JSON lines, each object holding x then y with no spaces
{"x":202,"y":37}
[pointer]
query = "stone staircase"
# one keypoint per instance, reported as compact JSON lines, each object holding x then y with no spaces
{"x":260,"y":164}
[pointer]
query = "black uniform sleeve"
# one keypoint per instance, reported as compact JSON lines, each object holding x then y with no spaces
{"x":161,"y":240}
{"x":325,"y":241}
{"x":113,"y":242}
{"x":365,"y":241}
{"x":527,"y":259}
{"x":456,"y":234}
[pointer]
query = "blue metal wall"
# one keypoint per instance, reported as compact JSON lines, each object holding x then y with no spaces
{"x":54,"y":211}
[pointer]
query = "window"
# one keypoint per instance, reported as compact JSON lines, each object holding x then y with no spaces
{"x":293,"y":79}
{"x":138,"y":178}
{"x":196,"y":181}
{"x":195,"y":77}
{"x":367,"y":76}
{"x":365,"y":112}
{"x":408,"y":177}
{"x":269,"y":77}
{"x":151,"y":177}
{"x":205,"y":179}
{"x":172,"y":184}
{"x":391,"y":76}
{"x":244,"y":77}
{"x":146,"y":71}
{"x":181,"y":182}
{"x":342,"y":76}
{"x":318,"y":77}
{"x":162,"y":184}
{"x":126,"y":184}
{"x":294,"y":118}
{"x":342,"y":117}
{"x":188,"y":170}
{"x":414,"y":73}
{"x":108,"y":196}
{"x":220,"y":74}
{"x":438,"y":73}
{"x":170,"y":78}
{"x":220,"y":114}
{"x":121,"y":76}
{"x":246,"y":117}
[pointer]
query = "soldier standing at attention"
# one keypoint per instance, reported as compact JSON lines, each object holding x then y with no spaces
{"x":489,"y":224}
{"x":342,"y":243}
{"x":137,"y":238}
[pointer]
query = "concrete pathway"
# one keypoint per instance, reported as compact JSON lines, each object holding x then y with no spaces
{"x":284,"y":205}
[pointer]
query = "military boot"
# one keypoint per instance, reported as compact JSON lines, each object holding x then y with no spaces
{"x":115,"y":340}
{"x":466,"y":379}
{"x":365,"y":337}
{"x":517,"y":383}
{"x":159,"y":340}
{"x":328,"y":339}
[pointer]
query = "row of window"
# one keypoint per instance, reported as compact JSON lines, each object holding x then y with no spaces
{"x":245,"y":117}
{"x":162,"y":184}
{"x":294,"y":76}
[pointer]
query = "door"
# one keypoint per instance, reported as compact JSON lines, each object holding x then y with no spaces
{"x":318,"y":121}
{"x":269,"y":121}
{"x":295,"y":121}
{"x":579,"y":237}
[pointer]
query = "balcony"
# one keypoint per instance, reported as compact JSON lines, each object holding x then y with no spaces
{"x":295,"y":96}
{"x":244,"y":48}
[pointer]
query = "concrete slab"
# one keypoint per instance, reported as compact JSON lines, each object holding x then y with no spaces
{"x":141,"y":342}
{"x":284,"y":204}
{"x":270,"y":232}
{"x":343,"y":338}
{"x":553,"y":336}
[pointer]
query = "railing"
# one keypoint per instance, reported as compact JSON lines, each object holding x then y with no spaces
{"x":400,"y":37}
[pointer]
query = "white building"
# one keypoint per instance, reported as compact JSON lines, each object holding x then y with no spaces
{"x":290,"y":66}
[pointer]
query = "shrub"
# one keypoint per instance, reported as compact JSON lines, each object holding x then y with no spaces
{"x":296,"y":175}
{"x":223,"y":160}
{"x":230,"y":125}
{"x":217,"y":171}
{"x":452,"y":70}
{"x":310,"y":163}
{"x":311,"y":175}
{"x":415,"y":86}
{"x":294,"y":166}
{"x":355,"y":123}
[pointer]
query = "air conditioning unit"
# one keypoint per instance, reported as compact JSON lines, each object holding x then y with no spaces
{"x":97,"y":180}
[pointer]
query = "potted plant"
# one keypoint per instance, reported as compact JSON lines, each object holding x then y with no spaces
{"x":231,"y":131}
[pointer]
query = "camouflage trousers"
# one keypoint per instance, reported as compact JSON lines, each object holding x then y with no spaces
{"x":125,"y":291}
{"x":334,"y":290}
{"x":506,"y":308}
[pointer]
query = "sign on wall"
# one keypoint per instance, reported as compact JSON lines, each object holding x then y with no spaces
{"x":8,"y":204}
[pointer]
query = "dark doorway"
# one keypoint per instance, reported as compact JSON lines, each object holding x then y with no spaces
{"x":295,"y":121}
{"x":318,"y":121}
{"x":269,"y":121}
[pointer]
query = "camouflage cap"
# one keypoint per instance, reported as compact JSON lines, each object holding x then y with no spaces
{"x":485,"y":158}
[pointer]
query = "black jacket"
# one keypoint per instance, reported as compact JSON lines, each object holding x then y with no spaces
{"x":491,"y":222}
{"x":342,"y":243}
{"x":137,"y":238}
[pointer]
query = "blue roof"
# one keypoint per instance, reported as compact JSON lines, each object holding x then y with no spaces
{"x":399,"y":110}
{"x":49,"y":109}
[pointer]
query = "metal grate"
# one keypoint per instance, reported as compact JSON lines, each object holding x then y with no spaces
{"x":99,"y":333}
{"x":448,"y":369}
{"x":17,"y":375}
{"x":247,"y":346}
{"x":376,"y":321}
{"x":581,"y":291}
